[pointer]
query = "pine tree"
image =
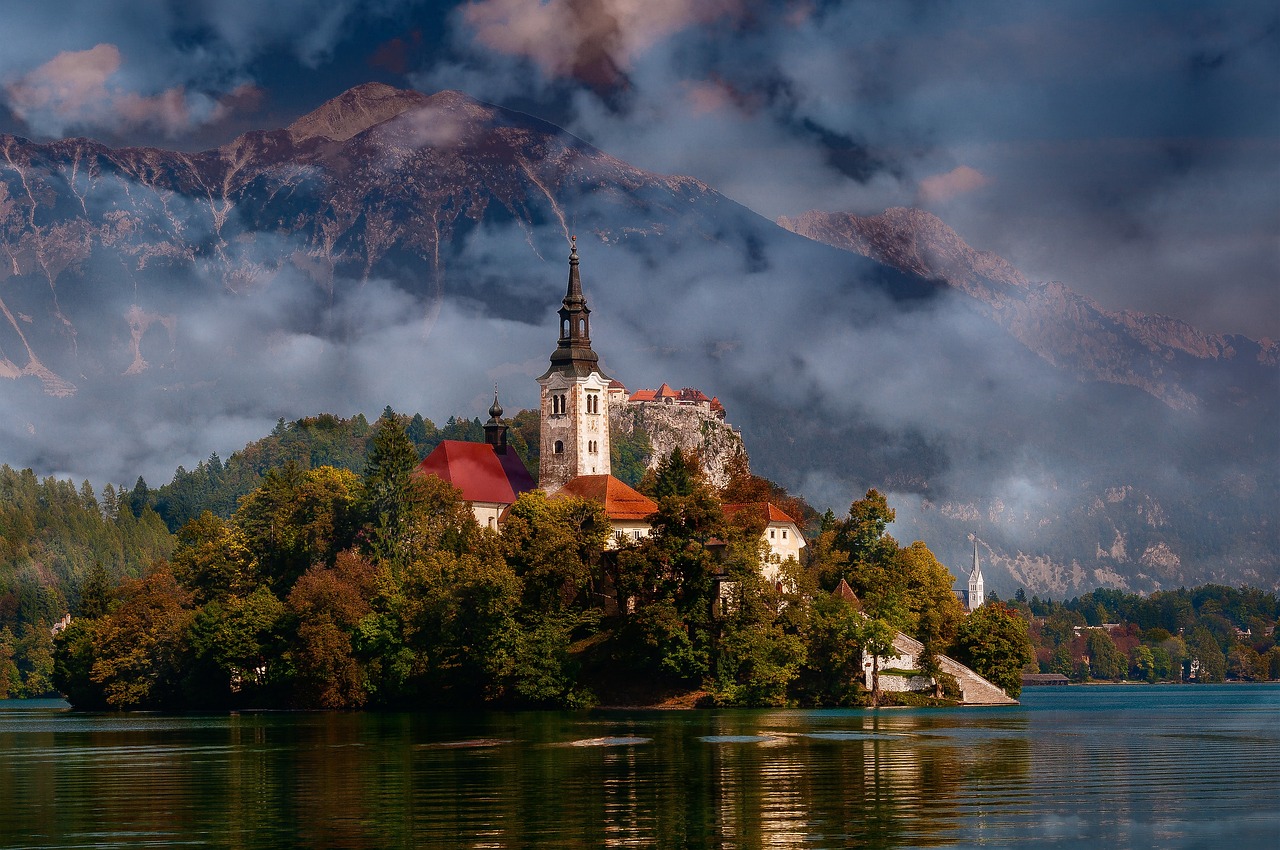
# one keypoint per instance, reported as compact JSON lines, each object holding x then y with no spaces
{"x":388,"y":496}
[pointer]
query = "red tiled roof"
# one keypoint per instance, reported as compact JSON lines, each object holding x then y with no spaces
{"x":643,"y":395}
{"x":478,"y":471}
{"x":765,"y":510}
{"x":620,"y":501}
{"x":665,"y":391}
{"x":845,"y":592}
{"x":615,"y":384}
{"x":694,"y":395}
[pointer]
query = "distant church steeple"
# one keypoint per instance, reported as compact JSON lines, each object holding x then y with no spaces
{"x":975,"y":581}
{"x":575,"y":403}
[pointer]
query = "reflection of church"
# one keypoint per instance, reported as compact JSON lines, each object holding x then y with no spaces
{"x":574,"y":446}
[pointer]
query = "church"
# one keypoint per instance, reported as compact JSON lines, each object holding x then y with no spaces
{"x":575,"y":398}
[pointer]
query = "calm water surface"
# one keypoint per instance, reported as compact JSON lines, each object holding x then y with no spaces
{"x":1119,"y":766}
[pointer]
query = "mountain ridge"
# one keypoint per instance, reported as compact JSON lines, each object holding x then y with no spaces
{"x":246,"y":282}
{"x":1064,"y":327}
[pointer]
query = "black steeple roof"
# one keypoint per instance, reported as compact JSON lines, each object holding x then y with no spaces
{"x":573,"y":354}
{"x":495,"y":433}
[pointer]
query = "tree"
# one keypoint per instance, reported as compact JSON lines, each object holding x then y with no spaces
{"x":35,"y":650}
{"x":10,"y":678}
{"x":756,"y":663}
{"x":1105,"y":660}
{"x":138,"y":647}
{"x":994,"y":641}
{"x":677,"y":475}
{"x":870,"y":551}
{"x":833,"y":665}
{"x":1142,"y":663}
{"x":213,"y":559}
{"x":932,"y":611}
{"x":387,"y":498}
{"x":1203,"y":647}
{"x":327,"y":604}
{"x":875,"y":636}
{"x":554,"y":545}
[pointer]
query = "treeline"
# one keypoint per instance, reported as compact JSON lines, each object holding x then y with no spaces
{"x":325,"y":589}
{"x":325,"y":440}
{"x":328,"y":440}
{"x":1208,"y":634}
{"x":51,"y":535}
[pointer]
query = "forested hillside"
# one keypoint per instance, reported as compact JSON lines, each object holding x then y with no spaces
{"x":1205,"y":634}
{"x":52,"y":536}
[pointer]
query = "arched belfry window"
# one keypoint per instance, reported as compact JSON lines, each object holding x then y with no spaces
{"x":559,"y":447}
{"x":564,"y":329}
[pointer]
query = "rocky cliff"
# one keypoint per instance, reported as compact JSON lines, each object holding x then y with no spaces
{"x":686,"y":427}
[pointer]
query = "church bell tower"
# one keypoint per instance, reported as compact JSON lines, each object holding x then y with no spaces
{"x":976,"y":593}
{"x":575,"y":397}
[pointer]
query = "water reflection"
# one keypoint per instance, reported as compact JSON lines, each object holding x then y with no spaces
{"x":1144,"y":767}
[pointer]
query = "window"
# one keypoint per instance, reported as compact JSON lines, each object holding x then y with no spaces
{"x":558,"y":405}
{"x":620,"y":535}
{"x":636,"y":533}
{"x":559,"y":447}
{"x":593,"y":446}
{"x":784,"y":534}
{"x":593,"y":402}
{"x":771,"y":533}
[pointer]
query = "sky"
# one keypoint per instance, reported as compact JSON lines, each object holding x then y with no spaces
{"x":1130,"y":150}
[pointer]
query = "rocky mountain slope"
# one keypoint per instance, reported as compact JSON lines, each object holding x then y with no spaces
{"x":394,"y":247}
{"x":1162,"y":356}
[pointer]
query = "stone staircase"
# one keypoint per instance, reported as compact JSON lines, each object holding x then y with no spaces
{"x":974,"y":690}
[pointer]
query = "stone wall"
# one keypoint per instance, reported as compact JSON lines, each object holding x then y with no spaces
{"x":685,"y":426}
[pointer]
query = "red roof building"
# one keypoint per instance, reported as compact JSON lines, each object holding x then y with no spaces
{"x":628,"y":510}
{"x":490,"y":475}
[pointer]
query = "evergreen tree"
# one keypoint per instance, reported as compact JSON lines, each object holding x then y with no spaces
{"x":387,"y":498}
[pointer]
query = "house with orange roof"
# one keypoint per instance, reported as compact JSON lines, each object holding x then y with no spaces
{"x":628,"y":509}
{"x":781,"y":533}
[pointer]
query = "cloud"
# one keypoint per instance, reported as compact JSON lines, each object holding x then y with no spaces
{"x":83,"y":89}
{"x":943,"y":187}
{"x":596,"y":41}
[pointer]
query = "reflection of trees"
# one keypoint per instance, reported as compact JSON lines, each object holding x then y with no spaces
{"x":509,"y":781}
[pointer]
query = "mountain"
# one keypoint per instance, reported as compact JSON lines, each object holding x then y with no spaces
{"x":397,"y":248}
{"x":1165,"y":357}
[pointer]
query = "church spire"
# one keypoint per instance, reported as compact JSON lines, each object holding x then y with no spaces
{"x":573,"y":354}
{"x":977,"y":591}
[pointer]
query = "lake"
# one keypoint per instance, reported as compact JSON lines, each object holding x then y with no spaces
{"x":1088,"y":766}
